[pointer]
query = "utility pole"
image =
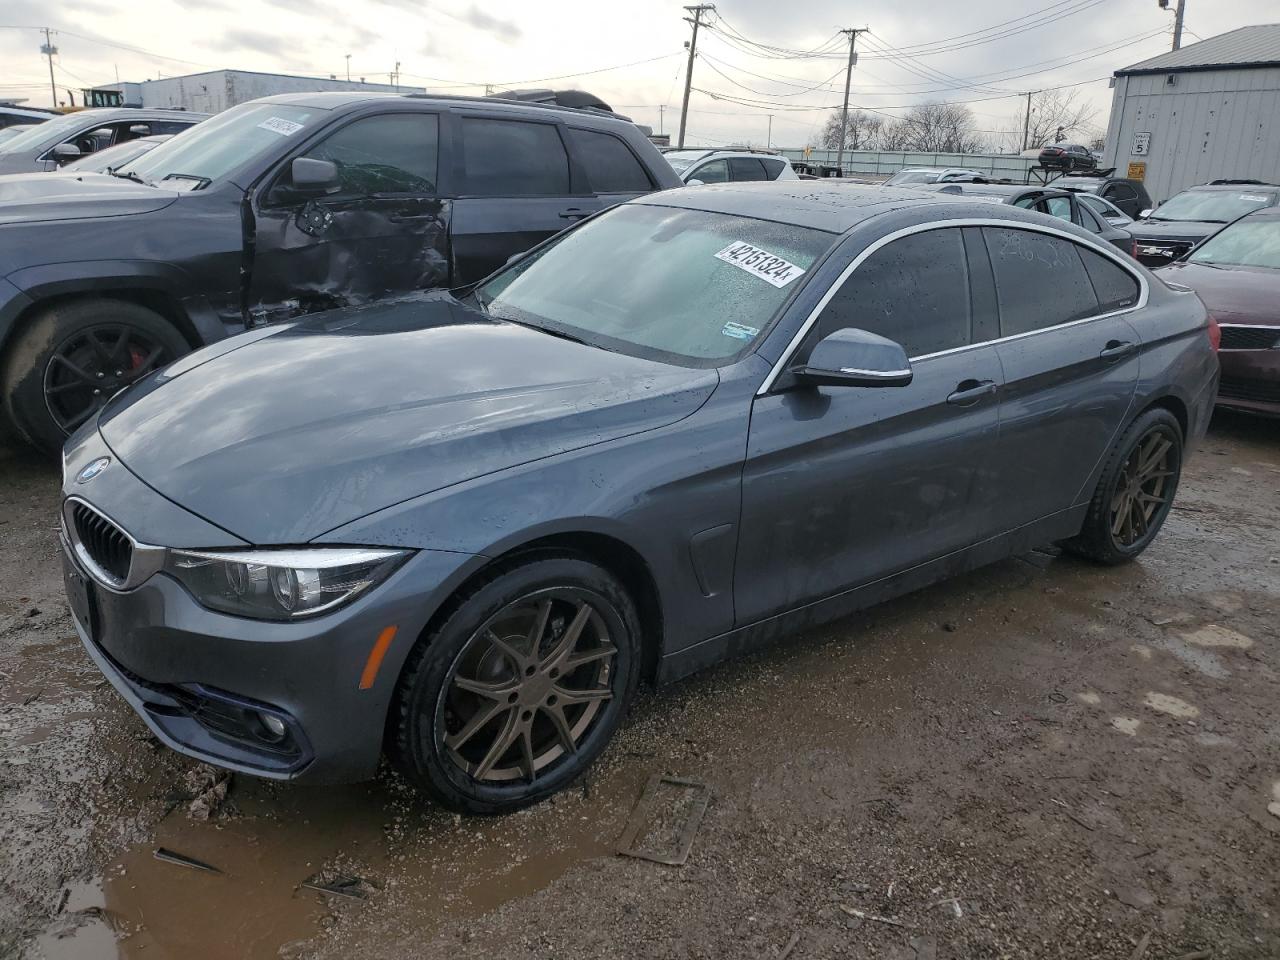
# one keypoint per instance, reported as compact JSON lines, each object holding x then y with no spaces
{"x":697,"y":12}
{"x":1026,"y":124}
{"x":768,"y":140}
{"x":348,"y":68}
{"x":1177,"y":23}
{"x":49,"y":50}
{"x":848,"y":78}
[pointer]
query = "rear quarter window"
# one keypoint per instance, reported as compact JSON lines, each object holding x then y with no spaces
{"x":611,"y":166}
{"x":514,"y":158}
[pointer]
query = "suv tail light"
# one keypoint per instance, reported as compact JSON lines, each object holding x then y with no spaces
{"x":1215,"y":333}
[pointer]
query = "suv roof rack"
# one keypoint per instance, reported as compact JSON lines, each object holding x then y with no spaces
{"x":554,"y":99}
{"x":1104,"y":172}
{"x":1240,"y":183}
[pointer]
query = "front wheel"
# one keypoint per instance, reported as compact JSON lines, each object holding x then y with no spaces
{"x":1135,"y":493}
{"x":68,"y":362}
{"x":521,"y":687}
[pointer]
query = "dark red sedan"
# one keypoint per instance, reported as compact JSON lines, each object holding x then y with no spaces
{"x":1236,"y":272}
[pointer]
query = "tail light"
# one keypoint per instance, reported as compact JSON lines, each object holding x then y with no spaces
{"x":1215,"y":333}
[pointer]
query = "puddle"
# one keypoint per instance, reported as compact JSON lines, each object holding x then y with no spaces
{"x":1194,"y":656}
{"x":416,"y":859}
{"x":1164,"y":703}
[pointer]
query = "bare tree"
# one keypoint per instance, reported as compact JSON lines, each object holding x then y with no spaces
{"x":1056,"y":115}
{"x":942,"y":128}
{"x":862,"y":131}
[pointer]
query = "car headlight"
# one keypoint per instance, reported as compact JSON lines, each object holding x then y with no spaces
{"x":280,"y":584}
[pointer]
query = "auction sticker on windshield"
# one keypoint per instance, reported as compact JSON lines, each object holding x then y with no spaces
{"x":286,"y":128}
{"x":760,"y":263}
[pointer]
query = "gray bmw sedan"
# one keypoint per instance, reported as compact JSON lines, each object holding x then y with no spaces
{"x":460,"y":529}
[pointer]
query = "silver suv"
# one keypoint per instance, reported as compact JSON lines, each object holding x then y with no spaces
{"x":723,"y":166}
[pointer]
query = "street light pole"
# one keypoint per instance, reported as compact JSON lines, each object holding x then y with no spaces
{"x":697,"y":12}
{"x":49,"y":50}
{"x":348,"y":68}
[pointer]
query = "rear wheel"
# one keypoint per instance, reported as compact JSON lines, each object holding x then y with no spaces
{"x":73,"y":357}
{"x":1135,"y":493}
{"x":519,"y":690}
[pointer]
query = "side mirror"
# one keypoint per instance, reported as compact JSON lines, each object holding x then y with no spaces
{"x":140,"y":130}
{"x":855,"y":358}
{"x":314,"y":178}
{"x":1143,"y":214}
{"x":695,"y":182}
{"x":66,"y":152}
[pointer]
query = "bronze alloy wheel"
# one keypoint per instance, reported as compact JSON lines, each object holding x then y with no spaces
{"x":527,"y":687}
{"x":1144,"y":488}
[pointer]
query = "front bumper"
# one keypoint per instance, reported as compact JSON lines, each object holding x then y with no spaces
{"x":1250,"y":380}
{"x":186,"y":669}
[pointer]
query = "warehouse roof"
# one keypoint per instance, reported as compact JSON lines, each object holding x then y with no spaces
{"x":1256,"y":46}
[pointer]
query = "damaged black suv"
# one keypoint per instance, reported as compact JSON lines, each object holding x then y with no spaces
{"x":278,"y":207}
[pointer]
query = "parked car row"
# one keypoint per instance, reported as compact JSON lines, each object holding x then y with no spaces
{"x":635,"y":435}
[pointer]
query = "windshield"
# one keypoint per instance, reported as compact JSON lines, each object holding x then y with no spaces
{"x":684,"y":286}
{"x":913,"y":176}
{"x":1249,"y":243}
{"x":210,"y":150}
{"x":57,"y":130}
{"x":1214,"y":206}
{"x":680,"y":159}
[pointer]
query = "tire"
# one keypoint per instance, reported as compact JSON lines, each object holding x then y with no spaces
{"x":1099,"y":539}
{"x":44,"y":399}
{"x":439,"y":737}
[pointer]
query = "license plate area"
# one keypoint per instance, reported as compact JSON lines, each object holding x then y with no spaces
{"x":80,"y":597}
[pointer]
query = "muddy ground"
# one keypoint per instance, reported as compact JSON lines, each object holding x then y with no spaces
{"x":1041,"y":759}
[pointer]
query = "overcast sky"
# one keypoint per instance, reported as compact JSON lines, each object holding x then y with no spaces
{"x":447,"y":47}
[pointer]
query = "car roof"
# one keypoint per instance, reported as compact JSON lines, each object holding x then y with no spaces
{"x":1003,"y":189}
{"x":822,"y":205}
{"x":124,"y":113}
{"x":1230,"y":187}
{"x":334,"y":100}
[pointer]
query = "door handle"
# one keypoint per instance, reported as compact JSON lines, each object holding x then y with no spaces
{"x":969,"y":392}
{"x":573,"y":213}
{"x":1118,"y":350}
{"x":410,"y":217}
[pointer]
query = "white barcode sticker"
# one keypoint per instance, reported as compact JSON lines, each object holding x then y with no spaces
{"x":286,"y":128}
{"x":760,"y":263}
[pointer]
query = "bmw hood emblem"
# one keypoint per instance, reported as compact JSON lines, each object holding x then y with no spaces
{"x":92,"y":470}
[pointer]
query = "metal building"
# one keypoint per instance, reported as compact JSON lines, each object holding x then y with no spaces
{"x":218,"y":89}
{"x":1206,"y":112}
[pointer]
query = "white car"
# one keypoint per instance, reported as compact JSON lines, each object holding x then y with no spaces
{"x":911,"y":175}
{"x":724,"y":166}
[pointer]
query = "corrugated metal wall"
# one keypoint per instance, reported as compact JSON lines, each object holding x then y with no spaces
{"x":883,"y":162}
{"x":1206,"y":126}
{"x":219,"y":89}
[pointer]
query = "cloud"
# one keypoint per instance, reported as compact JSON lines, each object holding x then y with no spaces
{"x":479,"y":20}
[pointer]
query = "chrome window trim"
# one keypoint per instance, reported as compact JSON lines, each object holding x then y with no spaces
{"x":882,"y":374}
{"x":1249,"y":326}
{"x":145,"y":559}
{"x":1096,"y":246}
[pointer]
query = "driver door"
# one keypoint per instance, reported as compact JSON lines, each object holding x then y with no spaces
{"x":845,"y":485}
{"x":383,"y":232}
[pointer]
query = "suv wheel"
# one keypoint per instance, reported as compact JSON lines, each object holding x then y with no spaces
{"x":1135,"y":493}
{"x":71,"y":359}
{"x":520,"y":689}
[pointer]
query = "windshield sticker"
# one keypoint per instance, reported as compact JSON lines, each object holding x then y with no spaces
{"x":286,"y":128}
{"x":739,"y":331}
{"x":759,"y":263}
{"x":1254,"y":198}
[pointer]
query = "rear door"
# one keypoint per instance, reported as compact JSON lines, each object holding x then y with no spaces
{"x":517,"y":187}
{"x":384,"y":232}
{"x":845,"y":485}
{"x":1070,"y":359}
